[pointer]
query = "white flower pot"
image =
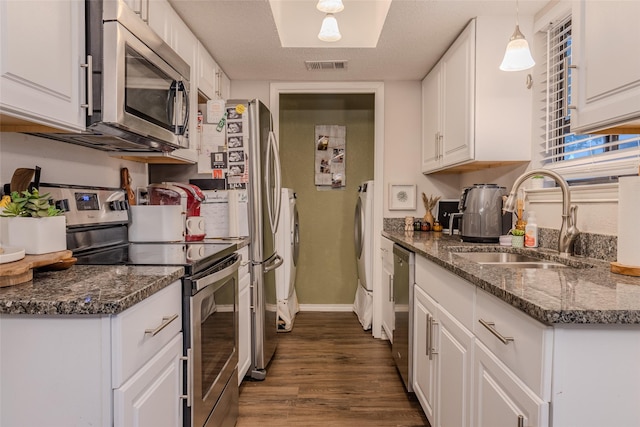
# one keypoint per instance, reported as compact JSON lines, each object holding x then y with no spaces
{"x":537,"y":183}
{"x":38,"y":235}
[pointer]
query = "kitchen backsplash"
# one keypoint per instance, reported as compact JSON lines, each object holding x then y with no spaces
{"x":598,"y":246}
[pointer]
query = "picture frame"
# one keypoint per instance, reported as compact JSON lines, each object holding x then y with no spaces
{"x":402,"y":197}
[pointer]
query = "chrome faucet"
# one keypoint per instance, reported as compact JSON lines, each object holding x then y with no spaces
{"x":568,"y":230}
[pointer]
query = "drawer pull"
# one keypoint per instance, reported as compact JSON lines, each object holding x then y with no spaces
{"x":164,"y":324}
{"x":520,"y":421}
{"x":491,"y":327}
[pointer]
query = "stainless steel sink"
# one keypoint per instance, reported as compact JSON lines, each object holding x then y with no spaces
{"x":509,"y":260}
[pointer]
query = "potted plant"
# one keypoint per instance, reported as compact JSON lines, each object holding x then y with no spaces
{"x":34,"y":223}
{"x":517,"y":238}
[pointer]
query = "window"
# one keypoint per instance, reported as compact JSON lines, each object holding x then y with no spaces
{"x":577,"y":157}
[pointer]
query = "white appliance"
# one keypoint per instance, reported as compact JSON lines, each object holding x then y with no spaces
{"x":288,"y":246}
{"x":363,"y":236}
{"x":251,"y":121}
{"x":157,"y":223}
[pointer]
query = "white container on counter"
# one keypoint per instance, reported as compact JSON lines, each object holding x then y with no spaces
{"x":157,"y":223}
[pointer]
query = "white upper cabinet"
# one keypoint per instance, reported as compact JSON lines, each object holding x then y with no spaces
{"x":42,"y":80}
{"x":606,"y":80}
{"x":475,"y":115}
{"x":206,"y":73}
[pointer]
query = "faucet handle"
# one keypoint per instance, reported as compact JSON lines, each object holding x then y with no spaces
{"x":573,"y":220}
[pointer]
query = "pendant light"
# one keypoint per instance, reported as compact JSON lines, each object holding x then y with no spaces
{"x":330,"y":6}
{"x":517,"y":56}
{"x":329,"y":31}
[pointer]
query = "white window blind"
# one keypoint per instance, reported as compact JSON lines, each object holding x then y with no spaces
{"x":577,"y":156}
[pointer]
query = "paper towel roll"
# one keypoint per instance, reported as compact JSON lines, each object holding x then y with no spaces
{"x":629,"y":220}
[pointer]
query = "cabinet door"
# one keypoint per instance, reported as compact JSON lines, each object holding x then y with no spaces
{"x":151,"y":398}
{"x":244,"y":326}
{"x":224,"y":85}
{"x":386,"y":289}
{"x":458,"y":77}
{"x":455,"y":349}
{"x":425,"y":363}
{"x":431,"y":120}
{"x":500,"y":398}
{"x":606,"y":89}
{"x":42,"y":45}
{"x":206,"y":73}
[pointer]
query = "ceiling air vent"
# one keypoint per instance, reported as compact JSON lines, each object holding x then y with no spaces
{"x":326,"y":65}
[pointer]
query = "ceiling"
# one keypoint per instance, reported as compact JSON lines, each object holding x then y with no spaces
{"x":243,"y":38}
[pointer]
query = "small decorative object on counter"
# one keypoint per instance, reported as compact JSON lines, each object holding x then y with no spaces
{"x":537,"y":181}
{"x":505,"y":240}
{"x":436,"y":226}
{"x":531,"y":231}
{"x":517,"y":238}
{"x":417,"y":225}
{"x":429,"y":203}
{"x":425,"y":226}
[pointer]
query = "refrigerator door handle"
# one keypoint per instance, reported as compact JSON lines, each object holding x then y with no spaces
{"x":273,"y":156}
{"x":274,"y":263}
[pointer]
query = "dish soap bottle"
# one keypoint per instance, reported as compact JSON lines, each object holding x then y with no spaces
{"x":531,"y":231}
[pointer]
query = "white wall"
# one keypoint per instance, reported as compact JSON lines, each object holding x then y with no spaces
{"x":64,"y":163}
{"x":402,"y":135}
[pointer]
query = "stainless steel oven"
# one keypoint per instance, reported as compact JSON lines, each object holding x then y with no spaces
{"x":211,"y":305}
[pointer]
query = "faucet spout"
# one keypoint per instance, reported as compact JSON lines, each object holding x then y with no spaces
{"x":568,"y":231}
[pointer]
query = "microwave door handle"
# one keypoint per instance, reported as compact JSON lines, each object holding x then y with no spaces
{"x":171,"y":99}
{"x":185,"y":96}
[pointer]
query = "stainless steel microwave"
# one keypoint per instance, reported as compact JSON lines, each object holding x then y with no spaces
{"x":137,"y":86}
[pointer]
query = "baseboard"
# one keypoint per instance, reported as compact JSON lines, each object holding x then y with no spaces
{"x":326,"y":307}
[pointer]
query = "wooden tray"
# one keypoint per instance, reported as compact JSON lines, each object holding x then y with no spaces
{"x":16,"y":272}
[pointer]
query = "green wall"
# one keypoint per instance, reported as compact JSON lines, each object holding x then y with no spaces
{"x":326,"y":271}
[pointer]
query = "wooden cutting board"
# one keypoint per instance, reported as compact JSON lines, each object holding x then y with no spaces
{"x":16,"y":272}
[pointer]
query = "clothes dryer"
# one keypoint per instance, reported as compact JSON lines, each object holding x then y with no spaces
{"x":363,"y":239}
{"x":288,"y":246}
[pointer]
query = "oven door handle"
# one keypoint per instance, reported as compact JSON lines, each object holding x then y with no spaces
{"x":218,"y":275}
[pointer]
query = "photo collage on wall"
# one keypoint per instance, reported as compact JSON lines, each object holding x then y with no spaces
{"x":237,"y":159}
{"x":330,"y":156}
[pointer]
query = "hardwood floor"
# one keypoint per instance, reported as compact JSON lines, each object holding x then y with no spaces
{"x":329,"y":372}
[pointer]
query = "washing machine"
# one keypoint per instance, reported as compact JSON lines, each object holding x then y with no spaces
{"x":288,"y":247}
{"x":363,"y":239}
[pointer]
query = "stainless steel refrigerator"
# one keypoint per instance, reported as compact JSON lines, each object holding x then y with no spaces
{"x":249,"y":128}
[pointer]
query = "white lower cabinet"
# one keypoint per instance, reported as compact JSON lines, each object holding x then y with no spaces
{"x":424,"y":363}
{"x":458,"y":379}
{"x":386,"y":288}
{"x":149,"y":397}
{"x":244,"y":315}
{"x":82,"y":370}
{"x":501,"y":398}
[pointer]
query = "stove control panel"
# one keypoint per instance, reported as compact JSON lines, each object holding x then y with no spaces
{"x":83,"y":205}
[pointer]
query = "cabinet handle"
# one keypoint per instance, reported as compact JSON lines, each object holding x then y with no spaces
{"x":440,"y":145}
{"x":164,"y":324}
{"x":432,"y":350}
{"x":565,"y":79}
{"x":89,"y":67}
{"x":187,"y":360}
{"x":428,"y":336}
{"x":390,"y":288}
{"x":491,"y":327}
{"x":520,"y":421}
{"x":435,"y":145}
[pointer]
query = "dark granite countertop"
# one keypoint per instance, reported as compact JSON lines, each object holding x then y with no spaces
{"x":86,"y":290}
{"x":586,"y":292}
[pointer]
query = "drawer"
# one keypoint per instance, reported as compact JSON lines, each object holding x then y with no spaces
{"x":529,"y":354}
{"x":244,"y":263}
{"x":454,"y":294}
{"x":139,"y":332}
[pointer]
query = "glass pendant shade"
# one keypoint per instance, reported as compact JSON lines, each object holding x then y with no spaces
{"x":330,"y":6}
{"x":329,"y":31}
{"x":517,"y":56}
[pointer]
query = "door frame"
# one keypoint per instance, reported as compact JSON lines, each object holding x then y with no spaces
{"x":376,"y":88}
